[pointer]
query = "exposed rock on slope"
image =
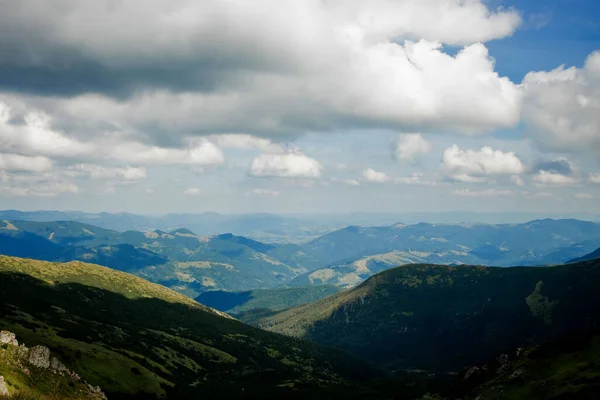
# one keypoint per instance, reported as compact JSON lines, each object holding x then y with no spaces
{"x":34,"y":372}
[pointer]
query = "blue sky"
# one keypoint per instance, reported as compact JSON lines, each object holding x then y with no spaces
{"x":302,"y":106}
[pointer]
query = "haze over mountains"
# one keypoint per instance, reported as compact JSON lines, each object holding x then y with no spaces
{"x":193,"y":264}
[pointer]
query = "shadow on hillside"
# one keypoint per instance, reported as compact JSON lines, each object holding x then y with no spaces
{"x":181,"y":344}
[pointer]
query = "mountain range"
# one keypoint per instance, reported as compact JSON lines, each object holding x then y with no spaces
{"x":193,"y":264}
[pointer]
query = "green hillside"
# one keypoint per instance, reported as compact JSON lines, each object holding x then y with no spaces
{"x":565,"y":368}
{"x":444,"y":318}
{"x":236,"y":303}
{"x":136,"y":339}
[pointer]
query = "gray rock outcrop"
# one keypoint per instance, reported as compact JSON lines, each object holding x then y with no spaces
{"x":39,"y":356}
{"x":3,"y":388}
{"x":7,"y":337}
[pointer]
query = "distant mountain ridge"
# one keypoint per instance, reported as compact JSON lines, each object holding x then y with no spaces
{"x":180,"y":259}
{"x":193,"y":264}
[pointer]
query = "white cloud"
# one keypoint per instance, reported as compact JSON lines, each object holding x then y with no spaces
{"x":264,"y":192}
{"x":339,"y":64}
{"x":370,"y":175}
{"x":35,"y":135}
{"x":474,"y":165}
{"x":16,"y":162}
{"x":583,"y":196}
{"x":562,"y":107}
{"x":203,"y":153}
{"x":415,"y":179}
{"x":547,"y":178}
{"x":101,"y":172}
{"x":245,"y":142}
{"x":351,"y":182}
{"x":483,"y":193}
{"x":411,"y":145}
{"x":517,"y":180}
{"x":192,"y":192}
{"x":291,"y":165}
{"x":594,"y":178}
{"x":50,"y":189}
{"x":466,"y":178}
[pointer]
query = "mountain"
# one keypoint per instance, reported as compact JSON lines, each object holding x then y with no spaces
{"x":136,"y":339}
{"x":592,"y":256}
{"x":349,"y":256}
{"x":444,"y":318}
{"x":353,"y":273}
{"x":180,"y":259}
{"x":194,"y":264}
{"x":235,"y":303}
{"x":292,"y":228}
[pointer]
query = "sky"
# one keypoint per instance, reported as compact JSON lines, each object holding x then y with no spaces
{"x":302,"y":106}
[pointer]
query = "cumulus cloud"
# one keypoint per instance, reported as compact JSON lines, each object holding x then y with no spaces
{"x":370,"y":175}
{"x":562,"y":107}
{"x":203,"y":153}
{"x":549,"y":178}
{"x":594,"y":178}
{"x":36,"y":136}
{"x":221,"y":67}
{"x":292,"y":165}
{"x":128,"y":174}
{"x":244,"y":141}
{"x":192,"y":192}
{"x":16,"y":162}
{"x":50,"y":189}
{"x":483,"y":193}
{"x":583,"y":196}
{"x":474,"y":165}
{"x":411,"y":145}
{"x":264,"y":192}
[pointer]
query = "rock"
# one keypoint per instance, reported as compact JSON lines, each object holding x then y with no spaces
{"x":57,"y":367}
{"x":8,"y":338}
{"x":503,"y":359}
{"x":39,"y":356}
{"x":3,"y":388}
{"x":517,"y":374}
{"x":474,"y":371}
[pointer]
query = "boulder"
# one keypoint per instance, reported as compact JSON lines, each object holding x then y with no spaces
{"x":3,"y":388}
{"x":7,"y":337}
{"x":39,"y":356}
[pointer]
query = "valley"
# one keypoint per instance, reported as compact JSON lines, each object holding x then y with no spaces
{"x":422,"y":311}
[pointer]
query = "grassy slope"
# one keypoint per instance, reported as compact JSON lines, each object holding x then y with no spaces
{"x":446,"y":318}
{"x":566,"y":368}
{"x":134,"y":338}
{"x":264,"y":299}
